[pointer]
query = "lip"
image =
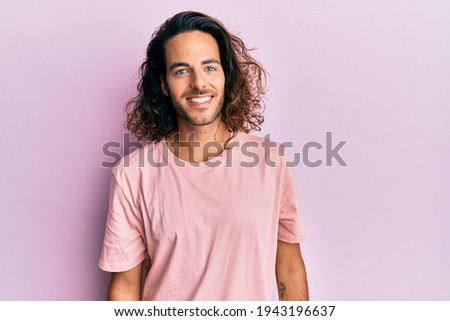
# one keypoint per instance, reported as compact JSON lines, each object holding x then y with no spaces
{"x":192,"y":103}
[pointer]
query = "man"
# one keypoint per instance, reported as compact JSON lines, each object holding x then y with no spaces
{"x":212,"y":213}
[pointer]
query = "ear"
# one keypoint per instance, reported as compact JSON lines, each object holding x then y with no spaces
{"x":164,"y":89}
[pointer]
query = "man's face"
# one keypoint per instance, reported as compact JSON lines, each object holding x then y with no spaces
{"x":195,"y":81}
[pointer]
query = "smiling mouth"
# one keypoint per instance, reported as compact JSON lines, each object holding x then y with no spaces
{"x":199,"y":100}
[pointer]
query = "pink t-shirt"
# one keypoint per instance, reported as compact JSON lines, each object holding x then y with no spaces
{"x":206,"y":231}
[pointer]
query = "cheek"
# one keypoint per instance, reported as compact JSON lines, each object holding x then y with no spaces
{"x":176,"y":88}
{"x":219,"y":82}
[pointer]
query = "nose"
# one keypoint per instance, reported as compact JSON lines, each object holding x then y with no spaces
{"x":197,"y":80}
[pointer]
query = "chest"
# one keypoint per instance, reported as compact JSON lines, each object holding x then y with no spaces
{"x":188,"y":203}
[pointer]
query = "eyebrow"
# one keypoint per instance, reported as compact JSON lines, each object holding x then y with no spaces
{"x":183,"y":64}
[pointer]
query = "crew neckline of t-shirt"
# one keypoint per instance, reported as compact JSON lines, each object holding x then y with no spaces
{"x":172,"y":158}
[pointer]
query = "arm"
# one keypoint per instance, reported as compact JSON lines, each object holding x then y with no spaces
{"x":291,"y":273}
{"x":126,"y":286}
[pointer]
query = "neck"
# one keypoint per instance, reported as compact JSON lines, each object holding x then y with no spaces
{"x":198,"y":143}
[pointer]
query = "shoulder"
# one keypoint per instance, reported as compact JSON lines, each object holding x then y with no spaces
{"x":262,"y":141}
{"x":263,"y":150}
{"x":130,"y":165}
{"x":243,"y":137}
{"x":261,"y":144}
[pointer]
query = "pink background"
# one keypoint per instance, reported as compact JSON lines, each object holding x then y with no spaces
{"x":376,"y":74}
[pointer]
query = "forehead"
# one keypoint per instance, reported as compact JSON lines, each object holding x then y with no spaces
{"x":190,"y":47}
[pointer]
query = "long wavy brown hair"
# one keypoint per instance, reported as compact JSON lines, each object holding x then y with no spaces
{"x":151,"y":115}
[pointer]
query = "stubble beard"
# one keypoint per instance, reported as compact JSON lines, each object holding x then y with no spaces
{"x":182,"y":113}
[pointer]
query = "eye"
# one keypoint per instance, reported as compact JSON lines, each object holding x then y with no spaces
{"x":180,"y":72}
{"x":210,"y":68}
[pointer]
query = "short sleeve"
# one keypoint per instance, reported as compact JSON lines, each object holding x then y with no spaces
{"x":290,"y":228}
{"x":123,"y":244}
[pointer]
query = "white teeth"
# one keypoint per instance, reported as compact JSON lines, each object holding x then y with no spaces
{"x":200,"y":100}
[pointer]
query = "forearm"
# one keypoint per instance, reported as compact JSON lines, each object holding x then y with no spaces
{"x":293,"y":285}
